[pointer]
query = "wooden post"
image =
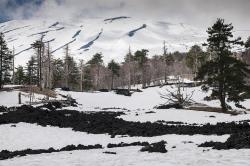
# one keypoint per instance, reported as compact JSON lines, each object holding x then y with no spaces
{"x":19,"y":98}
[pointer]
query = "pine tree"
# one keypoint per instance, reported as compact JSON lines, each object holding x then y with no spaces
{"x":87,"y":80}
{"x":39,"y":47}
{"x":195,"y":58}
{"x":224,"y":74}
{"x":5,"y":61}
{"x":32,"y":71}
{"x":96,"y":62}
{"x":19,"y":75}
{"x":114,"y":68}
{"x":247,"y":44}
{"x":71,"y":71}
{"x":141,"y":58}
{"x":58,"y":73}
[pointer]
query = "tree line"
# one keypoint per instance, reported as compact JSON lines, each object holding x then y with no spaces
{"x":214,"y":67}
{"x":46,"y":71}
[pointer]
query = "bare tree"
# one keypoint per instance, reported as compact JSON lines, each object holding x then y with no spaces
{"x":179,"y":96}
{"x":81,"y":75}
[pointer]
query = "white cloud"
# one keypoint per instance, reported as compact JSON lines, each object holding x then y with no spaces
{"x":200,"y":13}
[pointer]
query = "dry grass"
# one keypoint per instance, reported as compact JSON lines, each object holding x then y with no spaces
{"x":35,"y":89}
{"x":211,"y":109}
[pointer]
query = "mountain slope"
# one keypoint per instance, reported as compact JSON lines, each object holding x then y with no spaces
{"x":111,"y":36}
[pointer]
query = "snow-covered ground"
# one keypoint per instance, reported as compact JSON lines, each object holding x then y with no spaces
{"x":182,"y":155}
{"x":138,"y":105}
{"x":147,"y":99}
{"x":142,"y":102}
{"x":10,"y":98}
{"x":32,"y":136}
{"x":185,"y":116}
{"x":23,"y":135}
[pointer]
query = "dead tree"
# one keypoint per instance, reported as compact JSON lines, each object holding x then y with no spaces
{"x":67,"y":66}
{"x":81,"y":75}
{"x":165,"y":61}
{"x":179,"y":96}
{"x":39,"y":45}
{"x":129,"y":69}
{"x":13,"y":66}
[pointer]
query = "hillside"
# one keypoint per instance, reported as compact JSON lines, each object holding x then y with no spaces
{"x":111,"y":36}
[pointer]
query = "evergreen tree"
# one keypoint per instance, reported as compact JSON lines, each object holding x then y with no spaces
{"x":129,"y":57}
{"x":19,"y":75}
{"x":114,"y":68}
{"x":195,"y":58}
{"x":5,"y":61}
{"x":31,"y":71}
{"x":87,"y":80}
{"x":71,"y":72}
{"x":96,"y":62}
{"x":141,"y":58}
{"x":74,"y":75}
{"x":224,"y":74}
{"x":167,"y":59}
{"x":247,"y":44}
{"x":58,"y":73}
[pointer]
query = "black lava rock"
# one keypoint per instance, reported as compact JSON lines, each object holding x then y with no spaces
{"x":122,"y":144}
{"x":5,"y":154}
{"x":168,"y":106}
{"x":155,"y":147}
{"x":124,"y":92}
{"x":235,"y":141}
{"x":107,"y":152}
{"x":3,"y":109}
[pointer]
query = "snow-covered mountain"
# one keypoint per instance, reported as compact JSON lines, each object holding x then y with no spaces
{"x":111,"y":36}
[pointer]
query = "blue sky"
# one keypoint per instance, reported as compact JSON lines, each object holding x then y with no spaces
{"x":9,"y":7}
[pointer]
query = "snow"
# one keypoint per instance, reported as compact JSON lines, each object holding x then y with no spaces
{"x":137,"y":105}
{"x":76,"y":34}
{"x":33,"y":136}
{"x":132,"y":33}
{"x":10,"y":98}
{"x":113,"y":42}
{"x":147,"y":99}
{"x":142,"y":102}
{"x":92,"y":41}
{"x":25,"y":136}
{"x":185,"y":116}
{"x":183,"y":155}
{"x":29,"y":136}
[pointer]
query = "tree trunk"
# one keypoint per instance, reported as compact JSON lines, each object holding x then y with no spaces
{"x":223,"y":103}
{"x":81,"y":75}
{"x":13,"y":69}
{"x":98,"y":75}
{"x":222,"y":97}
{"x":1,"y":67}
{"x":112,"y":81}
{"x":67,"y":68}
{"x":143,"y":77}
